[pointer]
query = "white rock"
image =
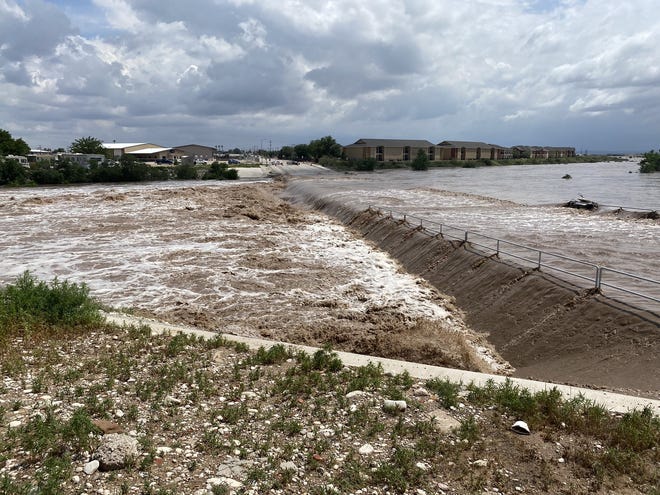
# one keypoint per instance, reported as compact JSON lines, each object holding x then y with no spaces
{"x":366,"y":449}
{"x":421,"y":392}
{"x":480,"y":463}
{"x":395,"y":405}
{"x":222,"y":480}
{"x":163,"y":450}
{"x":288,"y":466}
{"x":119,"y":413}
{"x":355,"y":393}
{"x":249,"y":395}
{"x":76,"y":479}
{"x":91,"y":467}
{"x":15,"y":424}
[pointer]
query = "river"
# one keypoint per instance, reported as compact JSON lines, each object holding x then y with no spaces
{"x":521,"y":204}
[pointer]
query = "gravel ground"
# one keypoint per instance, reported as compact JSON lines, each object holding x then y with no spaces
{"x":211,"y":417}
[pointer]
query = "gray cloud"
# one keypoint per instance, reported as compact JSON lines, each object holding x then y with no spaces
{"x":506,"y":71}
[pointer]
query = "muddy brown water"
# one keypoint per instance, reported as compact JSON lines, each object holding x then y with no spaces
{"x":547,"y":328}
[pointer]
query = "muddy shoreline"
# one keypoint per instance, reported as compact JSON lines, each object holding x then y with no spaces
{"x":546,"y":328}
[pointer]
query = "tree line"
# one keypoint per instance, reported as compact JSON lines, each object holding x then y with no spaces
{"x":65,"y":171}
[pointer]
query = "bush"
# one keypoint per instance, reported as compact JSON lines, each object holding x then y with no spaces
{"x":30,"y":305}
{"x":421,"y":161}
{"x":185,"y":172}
{"x":650,"y":162}
{"x":220,"y":171}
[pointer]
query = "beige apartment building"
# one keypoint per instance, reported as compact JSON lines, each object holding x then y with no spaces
{"x":386,"y":150}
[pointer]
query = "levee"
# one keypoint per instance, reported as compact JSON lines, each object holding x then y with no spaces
{"x":545,"y":327}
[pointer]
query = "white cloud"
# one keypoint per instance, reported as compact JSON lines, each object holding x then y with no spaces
{"x":496,"y":70}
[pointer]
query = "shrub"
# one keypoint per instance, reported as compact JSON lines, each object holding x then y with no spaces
{"x":650,"y":162}
{"x":220,"y":171}
{"x":421,"y":161}
{"x":29,"y":304}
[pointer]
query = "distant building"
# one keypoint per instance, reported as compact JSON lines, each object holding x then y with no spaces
{"x":82,"y":159}
{"x":197,"y":151}
{"x":144,"y":151}
{"x":542,"y":152}
{"x":470,"y":150}
{"x":39,"y":155}
{"x":388,"y":150}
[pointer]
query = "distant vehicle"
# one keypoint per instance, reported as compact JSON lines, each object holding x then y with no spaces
{"x":233,"y":161}
{"x":164,"y":161}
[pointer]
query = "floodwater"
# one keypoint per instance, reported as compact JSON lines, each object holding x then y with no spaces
{"x":521,"y":204}
{"x":230,"y":257}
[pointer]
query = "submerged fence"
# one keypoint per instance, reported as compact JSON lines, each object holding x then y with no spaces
{"x":639,"y":287}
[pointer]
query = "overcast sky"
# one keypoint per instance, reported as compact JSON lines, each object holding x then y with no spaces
{"x":260,"y":73}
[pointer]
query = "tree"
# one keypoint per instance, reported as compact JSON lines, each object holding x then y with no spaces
{"x":12,"y":172}
{"x":650,"y":162}
{"x":286,"y":153}
{"x":326,"y":146}
{"x":421,"y":161}
{"x":11,"y":146}
{"x":88,"y":145}
{"x":301,"y":152}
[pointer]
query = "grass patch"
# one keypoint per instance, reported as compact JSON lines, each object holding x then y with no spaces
{"x":31,"y":308}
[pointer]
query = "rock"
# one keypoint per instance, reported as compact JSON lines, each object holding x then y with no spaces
{"x":395,"y":405}
{"x":443,"y":421}
{"x":107,"y":427}
{"x":288,"y":466}
{"x":76,"y":479}
{"x":355,"y":393}
{"x":163,"y":450}
{"x":15,"y":424}
{"x":421,"y":392}
{"x":480,"y":463}
{"x":229,"y":482}
{"x":327,"y":432}
{"x":366,"y":449}
{"x":91,"y":467}
{"x":115,"y":451}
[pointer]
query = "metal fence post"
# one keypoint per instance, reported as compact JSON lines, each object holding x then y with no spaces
{"x":539,"y":267}
{"x":466,"y":236}
{"x":599,"y":276}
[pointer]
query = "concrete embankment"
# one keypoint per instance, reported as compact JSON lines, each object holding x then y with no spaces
{"x":547,"y":328}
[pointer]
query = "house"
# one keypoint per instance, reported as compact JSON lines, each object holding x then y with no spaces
{"x":144,"y":151}
{"x":197,"y":151}
{"x":470,"y":150}
{"x":388,"y":150}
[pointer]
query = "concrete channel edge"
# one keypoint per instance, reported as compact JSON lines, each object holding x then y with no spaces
{"x":614,"y":402}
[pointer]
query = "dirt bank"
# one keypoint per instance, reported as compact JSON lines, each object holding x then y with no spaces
{"x":544,"y":327}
